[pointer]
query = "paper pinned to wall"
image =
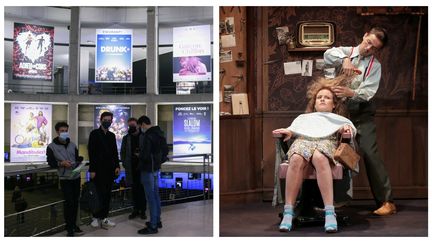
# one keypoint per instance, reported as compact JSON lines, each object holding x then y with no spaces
{"x":319,"y":64}
{"x":225,"y":56}
{"x":329,"y":72}
{"x":240,"y":104}
{"x":229,"y":25}
{"x":228,"y":40}
{"x":307,"y":68}
{"x":292,"y":67}
{"x":282,"y":34}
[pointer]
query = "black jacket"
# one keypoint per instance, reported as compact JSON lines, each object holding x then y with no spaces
{"x":103,"y":155}
{"x":153,"y":149}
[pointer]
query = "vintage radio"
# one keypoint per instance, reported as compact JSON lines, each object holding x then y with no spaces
{"x":316,"y":34}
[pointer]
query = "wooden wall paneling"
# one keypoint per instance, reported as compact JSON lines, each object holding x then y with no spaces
{"x":419,"y":130}
{"x":255,"y":51}
{"x":237,"y":168}
{"x":262,"y":42}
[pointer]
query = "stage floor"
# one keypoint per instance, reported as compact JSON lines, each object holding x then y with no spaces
{"x":261,"y":219}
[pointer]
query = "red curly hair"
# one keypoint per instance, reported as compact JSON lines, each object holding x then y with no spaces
{"x":323,"y":83}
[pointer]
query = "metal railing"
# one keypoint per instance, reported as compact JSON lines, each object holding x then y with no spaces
{"x":41,"y":88}
{"x":99,"y":89}
{"x":48,"y":219}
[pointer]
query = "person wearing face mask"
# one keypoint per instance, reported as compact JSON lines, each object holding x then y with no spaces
{"x":315,"y":140}
{"x":129,"y":155}
{"x":104,"y":167}
{"x":63,"y":155}
{"x":359,"y":92}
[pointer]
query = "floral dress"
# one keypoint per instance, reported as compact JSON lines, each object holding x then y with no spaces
{"x":306,"y":146}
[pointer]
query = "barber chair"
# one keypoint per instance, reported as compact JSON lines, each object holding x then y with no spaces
{"x":309,"y":208}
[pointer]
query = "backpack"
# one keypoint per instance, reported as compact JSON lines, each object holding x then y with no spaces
{"x":89,"y":200}
{"x":163,"y":149}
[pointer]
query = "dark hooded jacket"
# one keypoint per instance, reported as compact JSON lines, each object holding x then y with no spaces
{"x":153,"y":149}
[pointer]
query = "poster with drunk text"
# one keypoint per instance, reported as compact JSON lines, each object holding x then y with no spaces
{"x":30,"y":132}
{"x":119,"y":124}
{"x":32,"y":52}
{"x":192,"y":53}
{"x":113,"y":56}
{"x":192,"y":131}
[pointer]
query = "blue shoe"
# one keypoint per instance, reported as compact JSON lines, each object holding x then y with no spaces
{"x":285,"y":227}
{"x":331,"y":227}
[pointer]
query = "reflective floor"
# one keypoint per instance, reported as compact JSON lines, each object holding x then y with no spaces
{"x":185,"y":219}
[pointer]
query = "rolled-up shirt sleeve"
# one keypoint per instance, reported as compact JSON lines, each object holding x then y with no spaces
{"x":333,"y":57}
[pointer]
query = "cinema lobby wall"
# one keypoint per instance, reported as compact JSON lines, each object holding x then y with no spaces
{"x":75,"y":32}
{"x":247,"y":149}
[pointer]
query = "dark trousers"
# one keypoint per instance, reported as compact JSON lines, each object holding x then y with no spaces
{"x":20,"y":218}
{"x":138,"y":193}
{"x":362,"y":116}
{"x":71,"y":194}
{"x":103,"y":187}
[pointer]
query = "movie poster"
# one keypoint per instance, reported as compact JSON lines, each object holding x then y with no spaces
{"x":113,"y":56}
{"x":30,"y":132}
{"x":33,"y":52}
{"x":119,"y":124}
{"x":192,"y":53}
{"x":192,"y":130}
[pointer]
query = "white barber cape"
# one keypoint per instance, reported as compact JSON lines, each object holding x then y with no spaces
{"x":319,"y":124}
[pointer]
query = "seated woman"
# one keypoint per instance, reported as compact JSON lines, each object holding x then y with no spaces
{"x":315,"y":141}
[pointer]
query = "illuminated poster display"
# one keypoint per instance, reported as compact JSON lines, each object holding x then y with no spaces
{"x":119,"y":124}
{"x":33,"y":52}
{"x":30,"y":132}
{"x":192,"y":130}
{"x":192,"y":53}
{"x":113,"y":56}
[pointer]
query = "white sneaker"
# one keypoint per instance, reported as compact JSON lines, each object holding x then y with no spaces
{"x":107,"y":222}
{"x":95,"y":223}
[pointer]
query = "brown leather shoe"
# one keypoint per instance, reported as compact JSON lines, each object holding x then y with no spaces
{"x":388,"y":208}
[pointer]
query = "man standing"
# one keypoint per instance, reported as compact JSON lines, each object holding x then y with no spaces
{"x":153,"y":152}
{"x":361,"y":60}
{"x":129,"y":155}
{"x":104,"y":166}
{"x":63,"y":155}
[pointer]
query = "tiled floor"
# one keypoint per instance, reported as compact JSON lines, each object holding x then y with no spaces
{"x":185,"y":219}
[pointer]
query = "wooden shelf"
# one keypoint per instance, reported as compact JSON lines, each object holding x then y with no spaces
{"x":309,"y":49}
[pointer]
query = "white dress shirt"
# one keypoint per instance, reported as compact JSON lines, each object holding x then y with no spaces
{"x":364,"y":85}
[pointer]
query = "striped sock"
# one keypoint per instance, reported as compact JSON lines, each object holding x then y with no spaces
{"x":288,"y":214}
{"x":330,"y":216}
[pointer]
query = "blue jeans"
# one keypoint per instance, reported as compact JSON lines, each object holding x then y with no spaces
{"x":150,"y":181}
